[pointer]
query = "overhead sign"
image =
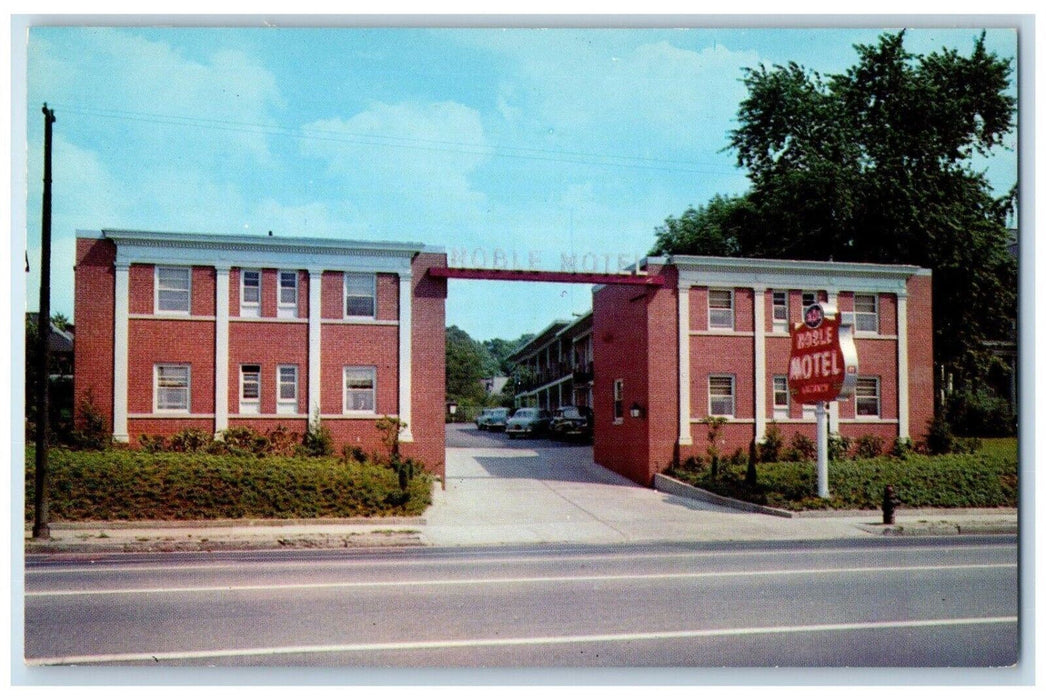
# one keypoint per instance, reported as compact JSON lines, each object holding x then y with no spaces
{"x":823,"y":362}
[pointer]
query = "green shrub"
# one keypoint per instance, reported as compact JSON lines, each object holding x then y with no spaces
{"x":94,"y":433}
{"x":190,"y":440}
{"x":939,"y":437}
{"x":772,"y":444}
{"x":838,"y":447}
{"x":317,"y":440}
{"x":902,"y":448}
{"x":152,"y":443}
{"x":981,"y":413}
{"x":921,"y":481}
{"x":801,"y":449}
{"x":868,"y":447}
{"x":135,"y":485}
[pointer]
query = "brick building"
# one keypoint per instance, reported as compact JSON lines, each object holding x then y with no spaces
{"x":218,"y":331}
{"x":714,"y":341}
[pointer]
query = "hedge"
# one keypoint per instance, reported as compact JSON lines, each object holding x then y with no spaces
{"x":947,"y":481}
{"x":134,"y":485}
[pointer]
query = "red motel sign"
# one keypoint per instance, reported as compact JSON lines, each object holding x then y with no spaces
{"x":823,"y":362}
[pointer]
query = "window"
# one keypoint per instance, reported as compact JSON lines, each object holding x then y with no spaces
{"x":867,"y":397}
{"x":173,"y":285}
{"x":721,"y":395}
{"x":250,"y":293}
{"x":780,"y":306}
{"x":171,"y":388}
{"x":721,"y":308}
{"x":287,"y":302}
{"x":287,"y":389}
{"x":619,"y":400}
{"x":809,"y":298}
{"x":781,"y":396}
{"x":359,"y":389}
{"x":866,"y":313}
{"x":359,"y":294}
{"x":250,"y":389}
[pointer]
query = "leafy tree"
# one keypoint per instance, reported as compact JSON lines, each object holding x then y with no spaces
{"x":467,"y":362}
{"x":876,"y":165}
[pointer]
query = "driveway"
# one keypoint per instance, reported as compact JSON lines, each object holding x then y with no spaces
{"x":502,"y":491}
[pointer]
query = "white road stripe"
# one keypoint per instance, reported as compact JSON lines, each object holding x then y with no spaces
{"x":518,"y":641}
{"x":504,"y":581}
{"x":32,"y":570}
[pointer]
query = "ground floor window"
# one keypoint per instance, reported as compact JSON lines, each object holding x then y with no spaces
{"x":867,"y":397}
{"x":171,"y":387}
{"x":250,"y":389}
{"x":721,"y":395}
{"x":781,"y":396}
{"x":360,"y":383}
{"x":619,"y":401}
{"x":287,"y":389}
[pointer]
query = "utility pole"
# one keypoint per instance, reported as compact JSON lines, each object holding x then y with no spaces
{"x":43,"y":355}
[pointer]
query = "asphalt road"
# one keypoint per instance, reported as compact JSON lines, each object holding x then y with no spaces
{"x":924,"y":603}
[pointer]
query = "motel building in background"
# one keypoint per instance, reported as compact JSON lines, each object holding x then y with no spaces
{"x":213,"y":332}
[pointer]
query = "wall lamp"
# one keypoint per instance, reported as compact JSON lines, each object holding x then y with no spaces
{"x":636,"y":411}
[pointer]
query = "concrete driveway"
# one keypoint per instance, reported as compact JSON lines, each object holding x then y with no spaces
{"x":502,"y":491}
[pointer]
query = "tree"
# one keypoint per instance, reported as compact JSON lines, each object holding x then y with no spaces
{"x":467,"y":362}
{"x":876,"y":165}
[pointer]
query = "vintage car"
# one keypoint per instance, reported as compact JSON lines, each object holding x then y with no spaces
{"x":492,"y":419}
{"x":571,"y":423}
{"x":528,"y":422}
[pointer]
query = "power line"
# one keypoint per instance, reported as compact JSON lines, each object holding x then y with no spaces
{"x":405,"y":142}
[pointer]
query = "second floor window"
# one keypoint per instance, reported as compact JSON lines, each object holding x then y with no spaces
{"x":780,"y":305}
{"x":866,"y":313}
{"x":173,"y":289}
{"x":250,"y":293}
{"x":721,"y":308}
{"x":360,"y":295}
{"x":287,"y":303}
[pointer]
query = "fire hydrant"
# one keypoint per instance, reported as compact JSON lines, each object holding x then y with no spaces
{"x":890,"y":503}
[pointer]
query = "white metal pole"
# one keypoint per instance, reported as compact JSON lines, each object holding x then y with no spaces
{"x":822,"y":451}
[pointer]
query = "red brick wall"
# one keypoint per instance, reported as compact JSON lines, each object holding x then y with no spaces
{"x":142,"y":279}
{"x":268,"y":345}
{"x":661,"y":407}
{"x":93,"y":312}
{"x":428,"y":394}
{"x":621,"y":348}
{"x":920,"y":355}
{"x":173,"y":341}
{"x":344,"y":345}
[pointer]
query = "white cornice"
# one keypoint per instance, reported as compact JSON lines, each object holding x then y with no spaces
{"x":791,"y":274}
{"x":260,"y":251}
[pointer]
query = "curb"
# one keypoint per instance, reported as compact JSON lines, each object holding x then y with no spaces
{"x":667,"y":484}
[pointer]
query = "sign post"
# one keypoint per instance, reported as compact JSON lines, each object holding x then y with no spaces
{"x":822,"y":368}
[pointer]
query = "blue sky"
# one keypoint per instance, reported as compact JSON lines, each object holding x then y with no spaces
{"x":532,"y":141}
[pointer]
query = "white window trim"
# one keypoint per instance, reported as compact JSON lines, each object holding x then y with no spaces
{"x":779,"y":325}
{"x":875,"y":313}
{"x":373,"y":294}
{"x":816,"y":294}
{"x":780,"y":412}
{"x":345,"y":391}
{"x":286,"y":309}
{"x":250,"y":309}
{"x":878,"y":400}
{"x":156,"y":286}
{"x":156,"y":388}
{"x":286,"y":406}
{"x":712,"y":327}
{"x":250,"y":406}
{"x":733,"y":395}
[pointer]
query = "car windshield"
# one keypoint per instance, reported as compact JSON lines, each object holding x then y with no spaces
{"x":525,"y":413}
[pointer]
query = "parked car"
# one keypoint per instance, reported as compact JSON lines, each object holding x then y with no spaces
{"x":492,"y":419}
{"x":571,"y":422}
{"x":528,"y":422}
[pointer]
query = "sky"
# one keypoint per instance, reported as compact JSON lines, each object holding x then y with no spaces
{"x":532,"y":142}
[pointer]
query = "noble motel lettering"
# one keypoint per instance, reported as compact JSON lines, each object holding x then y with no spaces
{"x":823,"y":364}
